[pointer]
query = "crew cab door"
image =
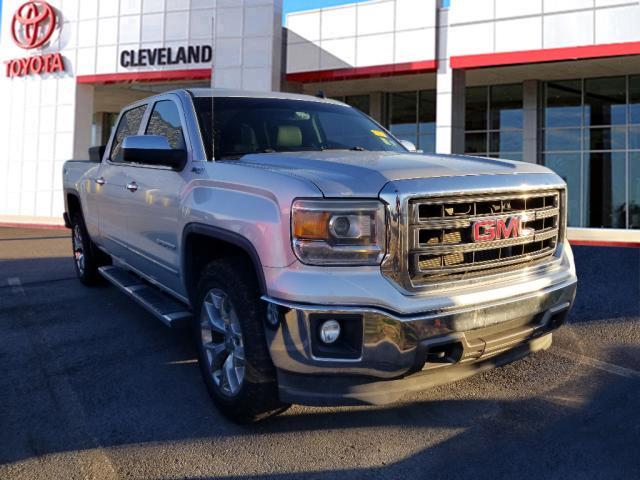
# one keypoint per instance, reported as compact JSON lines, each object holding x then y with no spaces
{"x":154,"y":209}
{"x":113,"y":185}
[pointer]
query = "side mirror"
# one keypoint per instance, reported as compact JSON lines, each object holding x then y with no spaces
{"x":152,"y":150}
{"x":409,"y":146}
{"x":96,"y":153}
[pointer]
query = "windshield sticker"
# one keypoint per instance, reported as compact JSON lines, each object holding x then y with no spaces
{"x":386,"y":141}
{"x":379,"y":133}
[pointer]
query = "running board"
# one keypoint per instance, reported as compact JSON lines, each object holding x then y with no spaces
{"x":169,"y":311}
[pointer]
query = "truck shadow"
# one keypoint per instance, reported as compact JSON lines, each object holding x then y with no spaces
{"x":88,"y":368}
{"x":559,"y":434}
{"x":143,"y":388}
{"x":34,"y":271}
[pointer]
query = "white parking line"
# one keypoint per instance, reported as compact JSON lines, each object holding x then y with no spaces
{"x":16,"y":285}
{"x":594,"y":363}
{"x":182,"y":362}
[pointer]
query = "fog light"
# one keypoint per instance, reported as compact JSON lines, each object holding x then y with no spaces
{"x":329,"y":331}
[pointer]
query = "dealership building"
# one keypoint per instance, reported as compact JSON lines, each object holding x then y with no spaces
{"x":549,"y":82}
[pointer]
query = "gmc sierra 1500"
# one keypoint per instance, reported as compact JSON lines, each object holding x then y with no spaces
{"x":317,"y":258}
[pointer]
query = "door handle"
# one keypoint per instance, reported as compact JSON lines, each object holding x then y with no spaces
{"x":132,"y":187}
{"x":100,"y":181}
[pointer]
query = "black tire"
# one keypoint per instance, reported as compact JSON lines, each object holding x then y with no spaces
{"x":87,"y":268}
{"x":257,"y":397}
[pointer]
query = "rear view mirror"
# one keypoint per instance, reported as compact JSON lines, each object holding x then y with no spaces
{"x":152,"y":150}
{"x":409,"y":146}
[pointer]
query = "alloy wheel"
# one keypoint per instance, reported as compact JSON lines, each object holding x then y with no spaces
{"x":222,"y":342}
{"x":78,"y":249}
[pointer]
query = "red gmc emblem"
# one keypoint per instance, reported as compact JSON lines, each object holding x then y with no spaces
{"x":496,"y":229}
{"x":33,"y":24}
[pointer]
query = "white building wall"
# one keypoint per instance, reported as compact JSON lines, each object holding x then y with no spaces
{"x":47,"y":119}
{"x":248,"y":45}
{"x":379,"y":32}
{"x":37,"y":124}
{"x":495,"y":26}
{"x":450,"y":88}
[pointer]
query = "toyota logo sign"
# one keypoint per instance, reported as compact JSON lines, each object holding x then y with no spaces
{"x":31,"y":27}
{"x":33,"y":24}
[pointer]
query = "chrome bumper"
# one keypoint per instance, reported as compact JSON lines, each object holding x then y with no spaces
{"x":326,"y":390}
{"x":394,"y":346}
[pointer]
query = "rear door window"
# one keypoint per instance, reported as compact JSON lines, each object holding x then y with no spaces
{"x":129,"y":125}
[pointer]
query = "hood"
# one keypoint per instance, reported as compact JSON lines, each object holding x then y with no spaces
{"x":364,"y":174}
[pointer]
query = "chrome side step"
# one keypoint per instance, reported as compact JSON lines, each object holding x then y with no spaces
{"x":168,"y":310}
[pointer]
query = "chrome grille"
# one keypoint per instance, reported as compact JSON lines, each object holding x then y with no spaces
{"x":441,"y":244}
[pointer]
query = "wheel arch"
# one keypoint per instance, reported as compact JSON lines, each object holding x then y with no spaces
{"x":72,"y":204}
{"x":203,"y":243}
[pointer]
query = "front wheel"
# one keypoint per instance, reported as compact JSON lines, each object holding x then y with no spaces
{"x":232,"y":349}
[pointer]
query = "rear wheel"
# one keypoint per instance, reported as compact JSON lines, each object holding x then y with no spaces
{"x":85,"y":254}
{"x":232,"y":350}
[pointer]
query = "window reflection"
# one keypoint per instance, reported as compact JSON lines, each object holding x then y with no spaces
{"x":361,"y":102}
{"x":412,"y":117}
{"x":562,"y":140}
{"x":129,"y":125}
{"x":505,"y":141}
{"x":605,"y":101}
{"x":165,"y":122}
{"x":567,"y":166}
{"x":476,"y":105}
{"x":605,"y":198}
{"x":403,"y":115}
{"x":427,"y":120}
{"x":609,"y":138}
{"x":506,"y":107}
{"x":586,"y":139}
{"x":563,"y":104}
{"x":633,"y":183}
{"x":634,"y":99}
{"x":494,"y":121}
{"x":476,"y":143}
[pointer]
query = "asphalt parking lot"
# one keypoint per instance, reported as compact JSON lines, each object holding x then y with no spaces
{"x":94,"y":387}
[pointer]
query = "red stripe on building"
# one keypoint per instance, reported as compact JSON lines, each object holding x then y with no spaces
{"x":39,"y":226}
{"x":154,"y":76}
{"x":546,"y":55}
{"x":427,"y":66}
{"x":597,"y":243}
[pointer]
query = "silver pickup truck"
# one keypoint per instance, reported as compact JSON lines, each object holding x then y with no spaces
{"x":318,"y":259}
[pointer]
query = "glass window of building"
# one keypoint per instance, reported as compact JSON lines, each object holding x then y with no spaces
{"x":494,"y":121}
{"x":591,"y":138}
{"x":633,"y":189}
{"x":427,"y":121}
{"x":412,"y":116}
{"x":361,"y":102}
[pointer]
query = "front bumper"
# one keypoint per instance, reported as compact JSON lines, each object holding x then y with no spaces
{"x":400,"y":353}
{"x":332,"y":390}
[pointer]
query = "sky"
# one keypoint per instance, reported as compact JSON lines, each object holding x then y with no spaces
{"x":299,"y":5}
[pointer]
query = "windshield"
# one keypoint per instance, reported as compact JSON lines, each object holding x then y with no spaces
{"x":264,"y":125}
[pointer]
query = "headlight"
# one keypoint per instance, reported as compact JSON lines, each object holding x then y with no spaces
{"x":335,"y":232}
